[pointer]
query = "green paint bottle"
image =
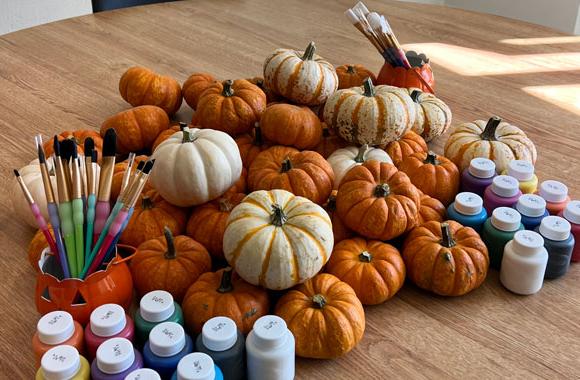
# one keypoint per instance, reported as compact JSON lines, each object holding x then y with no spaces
{"x":154,"y":308}
{"x":498,"y":230}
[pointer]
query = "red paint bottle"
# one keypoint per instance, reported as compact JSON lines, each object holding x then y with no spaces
{"x":107,"y":321}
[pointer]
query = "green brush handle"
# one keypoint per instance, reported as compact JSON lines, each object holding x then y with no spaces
{"x":67,"y":227}
{"x":78,"y":221}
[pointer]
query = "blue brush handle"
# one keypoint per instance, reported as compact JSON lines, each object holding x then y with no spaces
{"x":88,"y":261}
{"x":55,"y":222}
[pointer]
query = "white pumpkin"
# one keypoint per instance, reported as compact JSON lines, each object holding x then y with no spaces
{"x":344,"y":159}
{"x":303,"y":77}
{"x":433,"y":116}
{"x":195,"y":166}
{"x":277,"y":240}
{"x":370,"y":115}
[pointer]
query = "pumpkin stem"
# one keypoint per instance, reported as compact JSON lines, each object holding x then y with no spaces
{"x":187,"y":136}
{"x":319,"y":301}
{"x":325,"y":132}
{"x":431,"y":158}
{"x":170,"y":254}
{"x":228,"y":90}
{"x":382,"y":190}
{"x":278,"y":218}
{"x":147,"y":202}
{"x":415,"y":95}
{"x":258,"y":140}
{"x":446,"y":238}
{"x":309,"y":52}
{"x":226,"y":282}
{"x":365,"y":256}
{"x":331,"y":203}
{"x":360,"y":157}
{"x":350,"y":69}
{"x":182,"y":126}
{"x":369,"y":88}
{"x":286,"y":165}
{"x":489,"y":130}
{"x":225,"y":205}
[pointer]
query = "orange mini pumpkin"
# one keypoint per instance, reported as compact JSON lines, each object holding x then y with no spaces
{"x":164,"y":135}
{"x":140,"y":86}
{"x":119,"y":172}
{"x":306,"y":174}
{"x":378,"y":201}
{"x":207,"y":222}
{"x":137,"y":128}
{"x":151,"y":214}
{"x":408,"y":144}
{"x":194,"y":86}
{"x":270,"y":95}
{"x":325,"y":316}
{"x":79,"y":136}
{"x":169,"y":263}
{"x":291,"y":125}
{"x":445,"y":258}
{"x":231,"y":106}
{"x":375,"y":270}
{"x":241,"y":184}
{"x":353,"y":75}
{"x":434,"y":175}
{"x":329,"y":142}
{"x":224,"y":293}
{"x":250,"y":145}
{"x":339,"y":230}
{"x":431,"y":209}
{"x":36,"y":246}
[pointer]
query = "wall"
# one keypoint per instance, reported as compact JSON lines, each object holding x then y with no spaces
{"x":20,"y":14}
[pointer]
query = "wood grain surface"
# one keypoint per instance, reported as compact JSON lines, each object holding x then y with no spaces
{"x":64,"y":75}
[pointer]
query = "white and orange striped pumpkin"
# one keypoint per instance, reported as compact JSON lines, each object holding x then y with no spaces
{"x":302,"y":77}
{"x":433,"y":116}
{"x":370,"y":115}
{"x":277,"y":240}
{"x":344,"y":159}
{"x":499,"y":141}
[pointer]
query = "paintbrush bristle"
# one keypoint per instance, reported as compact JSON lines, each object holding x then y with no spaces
{"x":56,"y":146}
{"x":75,"y":152}
{"x":110,"y":143}
{"x":89,"y":146}
{"x":41,"y":156}
{"x":16,"y":173}
{"x":66,"y":149}
{"x":140,"y":165}
{"x":148,"y":167}
{"x":94,"y":156}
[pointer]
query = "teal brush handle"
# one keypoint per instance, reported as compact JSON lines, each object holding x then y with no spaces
{"x":91,"y":202}
{"x":78,"y":221}
{"x":118,"y":206}
{"x":66,"y":225}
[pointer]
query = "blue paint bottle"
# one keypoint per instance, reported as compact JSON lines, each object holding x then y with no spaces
{"x":197,"y":366}
{"x":468,"y":210}
{"x":532,"y":208}
{"x":167,"y":345}
{"x":559,"y":243}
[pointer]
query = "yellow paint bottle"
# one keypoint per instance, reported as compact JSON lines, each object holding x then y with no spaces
{"x":63,"y":363}
{"x":523,"y":171}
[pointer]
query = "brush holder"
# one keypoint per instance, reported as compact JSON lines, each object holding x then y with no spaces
{"x":420,"y":75}
{"x":80,"y":297}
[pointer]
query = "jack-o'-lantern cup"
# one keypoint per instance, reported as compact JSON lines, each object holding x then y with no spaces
{"x":80,"y":297}
{"x":419,"y":75}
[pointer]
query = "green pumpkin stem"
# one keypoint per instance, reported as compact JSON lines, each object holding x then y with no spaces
{"x":431,"y":158}
{"x":331,"y":203}
{"x":365,"y":256}
{"x":225,"y":205}
{"x":319,"y":301}
{"x":309,"y":52}
{"x":446,"y":237}
{"x":415,"y":95}
{"x":490,"y":128}
{"x":228,"y":90}
{"x":368,"y":87}
{"x":187,"y":136}
{"x":258,"y":140}
{"x":182,"y":126}
{"x":226,"y":282}
{"x":360,"y":157}
{"x":147,"y":203}
{"x":278,"y":218}
{"x":170,"y":253}
{"x":286,"y":165}
{"x":382,"y":190}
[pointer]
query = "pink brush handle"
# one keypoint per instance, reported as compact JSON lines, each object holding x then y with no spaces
{"x":43,"y":227}
{"x":114,"y":229}
{"x":102,"y":211}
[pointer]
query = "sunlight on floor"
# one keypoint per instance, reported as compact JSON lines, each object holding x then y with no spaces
{"x":564,"y":96}
{"x":542,"y":40}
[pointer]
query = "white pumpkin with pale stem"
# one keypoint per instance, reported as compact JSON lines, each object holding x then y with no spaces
{"x":277,"y":240}
{"x":370,"y":115}
{"x":499,"y":141}
{"x":195,"y":166}
{"x":433,"y":116}
{"x":303,"y":77}
{"x":344,"y":159}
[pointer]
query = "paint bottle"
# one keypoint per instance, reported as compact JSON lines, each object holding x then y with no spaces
{"x":555,"y":194}
{"x":504,"y":191}
{"x":523,"y":171}
{"x":559,"y":243}
{"x":54,"y":329}
{"x":197,"y":366}
{"x":221,"y":339}
{"x":63,"y":363}
{"x":270,"y":350}
{"x":143,"y":374}
{"x":532,"y":208}
{"x":155,"y":307}
{"x":498,"y":230}
{"x":107,"y":321}
{"x":478,"y":175}
{"x":572,"y":214}
{"x":167,"y":345}
{"x":524,"y":263}
{"x":116,"y":358}
{"x":468,"y":210}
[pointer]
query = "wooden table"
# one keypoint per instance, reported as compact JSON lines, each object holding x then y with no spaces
{"x":64,"y":75}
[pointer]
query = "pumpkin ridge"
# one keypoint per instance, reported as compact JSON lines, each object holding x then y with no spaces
{"x":296,"y":272}
{"x":293,"y":78}
{"x":313,"y":238}
{"x":318,"y":89}
{"x":250,"y":234}
{"x":312,"y":214}
{"x":343,"y":97}
{"x":381,"y":110}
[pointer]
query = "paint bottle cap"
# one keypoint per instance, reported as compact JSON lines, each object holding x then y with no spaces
{"x":55,"y":327}
{"x":167,"y":339}
{"x":555,"y":228}
{"x":528,"y":242}
{"x":108,"y":320}
{"x":115,"y":355}
{"x":156,"y":306}
{"x":521,"y":170}
{"x":572,"y":212}
{"x":506,"y":219}
{"x":531,"y":205}
{"x":481,"y":167}
{"x":60,"y":363}
{"x":270,"y":331}
{"x":553,"y":191}
{"x":196,"y":366}
{"x":143,"y":374}
{"x":505,"y":186}
{"x":467,"y":203}
{"x":219,"y":334}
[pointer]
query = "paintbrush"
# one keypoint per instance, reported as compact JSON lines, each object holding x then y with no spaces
{"x":78,"y":209}
{"x":103,"y":207}
{"x":89,"y":146}
{"x":65,"y":155}
{"x":128,"y":172}
{"x":91,"y":199}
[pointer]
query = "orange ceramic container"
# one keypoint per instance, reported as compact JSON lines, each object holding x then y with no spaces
{"x":54,"y":329}
{"x":419,"y":77}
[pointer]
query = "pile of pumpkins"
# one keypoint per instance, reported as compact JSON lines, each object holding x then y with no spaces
{"x":295,"y":182}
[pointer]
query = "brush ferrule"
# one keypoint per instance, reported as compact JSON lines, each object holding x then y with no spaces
{"x":63,"y":193}
{"x":48,"y":190}
{"x":89,"y":174}
{"x":106,"y":178}
{"x":76,"y":180}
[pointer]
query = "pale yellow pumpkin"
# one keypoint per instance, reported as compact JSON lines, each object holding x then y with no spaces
{"x":344,"y":159}
{"x":433,"y":116}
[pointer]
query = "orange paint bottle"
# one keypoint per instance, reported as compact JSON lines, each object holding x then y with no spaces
{"x":54,"y":329}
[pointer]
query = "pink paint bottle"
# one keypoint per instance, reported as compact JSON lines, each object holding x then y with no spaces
{"x":572,"y":214}
{"x":504,"y":191}
{"x":555,"y":194}
{"x":107,"y":321}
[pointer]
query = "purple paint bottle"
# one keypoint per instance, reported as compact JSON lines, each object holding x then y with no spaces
{"x":116,"y":358}
{"x":504,"y":191}
{"x":478,"y":176}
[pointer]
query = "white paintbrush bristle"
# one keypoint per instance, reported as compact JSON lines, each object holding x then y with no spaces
{"x":374,"y":20}
{"x":351,"y":16}
{"x":362,"y":7}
